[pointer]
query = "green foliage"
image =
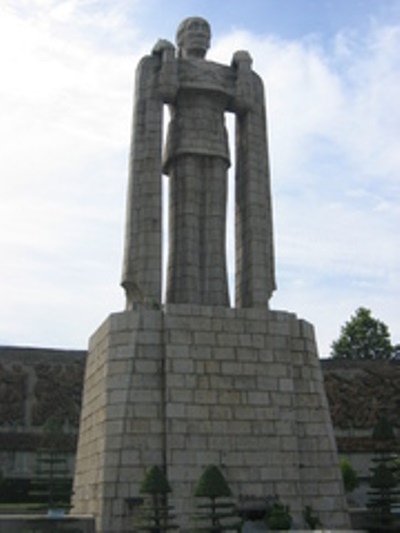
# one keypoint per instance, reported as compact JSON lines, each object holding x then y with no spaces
{"x":155,"y":482}
{"x":155,"y":516}
{"x":383,"y":432}
{"x":350,"y":479}
{"x":279,"y":518}
{"x":396,"y":466}
{"x":363,"y":337}
{"x":218,"y":513}
{"x":51,"y":485}
{"x":15,"y":491}
{"x":212,"y":484}
{"x":396,"y":351}
{"x":310,"y":518}
{"x":383,"y":481}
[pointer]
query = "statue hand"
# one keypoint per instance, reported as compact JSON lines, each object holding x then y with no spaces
{"x":162,"y":46}
{"x":168,"y":77}
{"x":241,"y":63}
{"x":242,"y":60}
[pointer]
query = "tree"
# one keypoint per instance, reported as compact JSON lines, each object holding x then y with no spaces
{"x":396,"y":351}
{"x":51,"y":485}
{"x":363,"y":337}
{"x":279,"y":518}
{"x":383,"y":482}
{"x":155,"y":515}
{"x":220,"y":515}
{"x":310,"y":518}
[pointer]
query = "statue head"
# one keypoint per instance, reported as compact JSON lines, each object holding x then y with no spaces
{"x":193,"y":37}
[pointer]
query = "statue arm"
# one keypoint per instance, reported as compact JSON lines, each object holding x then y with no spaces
{"x":241,"y":64}
{"x":255,"y":272}
{"x":141,"y":277}
{"x":168,"y":75}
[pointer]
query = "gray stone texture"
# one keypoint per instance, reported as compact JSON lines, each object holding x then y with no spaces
{"x":196,"y":160}
{"x":194,"y":385}
{"x":195,"y":382}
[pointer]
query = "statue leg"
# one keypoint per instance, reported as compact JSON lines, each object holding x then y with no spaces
{"x":213,"y":232}
{"x":183,"y":280}
{"x":197,"y":221}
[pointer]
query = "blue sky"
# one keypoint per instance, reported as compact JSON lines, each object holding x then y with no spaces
{"x":331,"y":69}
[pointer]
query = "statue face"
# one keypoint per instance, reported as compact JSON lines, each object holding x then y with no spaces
{"x":194,"y":37}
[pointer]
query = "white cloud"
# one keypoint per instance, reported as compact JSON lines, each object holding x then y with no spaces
{"x":334,"y":128}
{"x":66,"y":102}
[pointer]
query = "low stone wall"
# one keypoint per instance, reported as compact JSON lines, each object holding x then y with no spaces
{"x":45,"y":524}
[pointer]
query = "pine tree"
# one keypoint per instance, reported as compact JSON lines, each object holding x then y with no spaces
{"x":155,"y":515}
{"x":383,"y":482}
{"x":219,"y":511}
{"x":51,"y":485}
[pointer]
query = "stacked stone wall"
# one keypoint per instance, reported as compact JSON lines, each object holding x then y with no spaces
{"x":191,"y":386}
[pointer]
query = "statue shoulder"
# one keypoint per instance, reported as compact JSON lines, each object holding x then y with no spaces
{"x":161,"y":46}
{"x":147,"y":64}
{"x":204,"y":74}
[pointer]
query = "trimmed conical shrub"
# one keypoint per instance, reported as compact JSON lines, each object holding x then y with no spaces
{"x":212,"y":484}
{"x":155,"y":515}
{"x":218,"y":513}
{"x":155,"y":482}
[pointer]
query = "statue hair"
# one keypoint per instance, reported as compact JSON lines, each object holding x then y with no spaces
{"x":183,"y":27}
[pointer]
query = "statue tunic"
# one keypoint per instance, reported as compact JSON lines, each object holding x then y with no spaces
{"x":196,"y":159}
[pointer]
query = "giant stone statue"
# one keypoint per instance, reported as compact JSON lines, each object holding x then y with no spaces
{"x":195,"y":382}
{"x":196,"y":160}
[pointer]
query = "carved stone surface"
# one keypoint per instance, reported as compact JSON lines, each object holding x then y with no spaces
{"x":57,"y":393}
{"x":37,"y":383}
{"x":360,"y":392}
{"x":13,"y":394}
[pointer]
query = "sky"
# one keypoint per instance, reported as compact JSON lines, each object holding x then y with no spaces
{"x":331,"y":70}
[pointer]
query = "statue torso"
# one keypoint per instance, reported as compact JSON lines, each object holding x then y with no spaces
{"x":197,"y":126}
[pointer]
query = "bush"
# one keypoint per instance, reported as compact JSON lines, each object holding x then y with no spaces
{"x":350,"y":479}
{"x":310,"y":518}
{"x":279,"y":518}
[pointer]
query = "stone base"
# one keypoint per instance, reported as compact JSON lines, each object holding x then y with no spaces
{"x":43,"y":524}
{"x":190,"y":386}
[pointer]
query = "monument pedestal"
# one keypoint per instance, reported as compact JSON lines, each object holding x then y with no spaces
{"x":189,"y":386}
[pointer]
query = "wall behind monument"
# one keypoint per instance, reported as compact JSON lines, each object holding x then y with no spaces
{"x":38,"y":383}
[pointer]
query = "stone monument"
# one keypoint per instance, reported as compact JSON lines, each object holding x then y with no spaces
{"x":193,"y":382}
